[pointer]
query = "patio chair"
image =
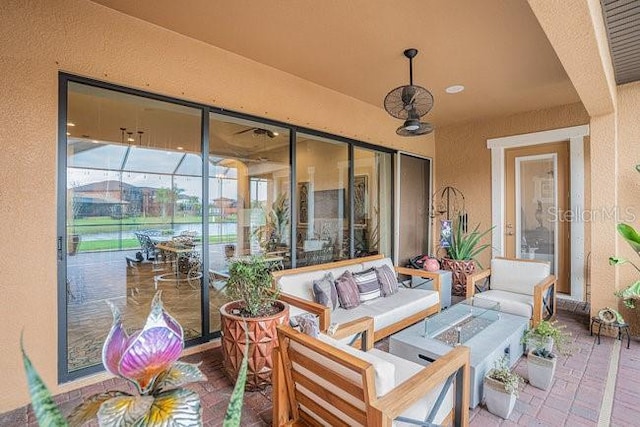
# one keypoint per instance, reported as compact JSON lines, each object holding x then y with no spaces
{"x":322,"y":381}
{"x":521,"y":287}
{"x":146,"y":245}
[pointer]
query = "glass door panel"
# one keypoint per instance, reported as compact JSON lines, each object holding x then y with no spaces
{"x":134,"y":215}
{"x":322,"y":170}
{"x":536,"y":202}
{"x":372,"y":202}
{"x":249,"y":200}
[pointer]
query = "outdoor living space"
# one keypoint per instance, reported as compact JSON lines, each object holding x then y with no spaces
{"x":598,"y":383}
{"x":150,"y":145}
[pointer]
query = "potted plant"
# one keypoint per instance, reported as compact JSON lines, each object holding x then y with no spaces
{"x":461,"y":255}
{"x":501,"y":387}
{"x":541,"y":362}
{"x":254,"y":311}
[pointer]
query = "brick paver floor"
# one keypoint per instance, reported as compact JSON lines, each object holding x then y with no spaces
{"x":574,"y":399}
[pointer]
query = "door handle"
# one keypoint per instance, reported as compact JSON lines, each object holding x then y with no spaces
{"x":509,"y":228}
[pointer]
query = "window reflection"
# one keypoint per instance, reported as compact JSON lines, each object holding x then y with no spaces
{"x":134,"y":215}
{"x":249,"y":213}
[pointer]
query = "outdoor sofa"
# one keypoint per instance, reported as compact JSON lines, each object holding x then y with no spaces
{"x":390,"y":314}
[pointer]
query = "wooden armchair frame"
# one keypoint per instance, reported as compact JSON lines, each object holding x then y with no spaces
{"x":544,"y":293}
{"x":324,"y":313}
{"x":289,"y":402}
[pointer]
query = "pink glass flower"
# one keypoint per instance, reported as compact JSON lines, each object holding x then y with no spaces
{"x":141,"y":357}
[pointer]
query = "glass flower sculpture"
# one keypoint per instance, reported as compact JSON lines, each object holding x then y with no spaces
{"x":148,"y":359}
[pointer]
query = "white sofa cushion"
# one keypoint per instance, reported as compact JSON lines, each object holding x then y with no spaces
{"x":405,"y":369}
{"x":301,"y":284}
{"x":389,"y":310}
{"x":510,"y":302}
{"x":378,"y":263}
{"x":516,"y":275}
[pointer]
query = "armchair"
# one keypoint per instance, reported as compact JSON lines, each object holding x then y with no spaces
{"x":321,"y":381}
{"x":522,"y":287}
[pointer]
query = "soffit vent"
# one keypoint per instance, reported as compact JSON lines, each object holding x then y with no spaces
{"x":622,"y":19}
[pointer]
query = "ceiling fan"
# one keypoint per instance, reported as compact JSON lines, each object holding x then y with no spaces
{"x":258,"y":132}
{"x":409,"y":103}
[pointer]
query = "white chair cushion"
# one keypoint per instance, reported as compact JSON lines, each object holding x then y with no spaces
{"x":385,"y":371}
{"x":517,"y":276}
{"x":405,"y":369}
{"x":510,"y":302}
{"x":301,"y":284}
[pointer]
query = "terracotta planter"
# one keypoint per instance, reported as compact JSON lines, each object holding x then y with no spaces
{"x":498,"y":401}
{"x":262,"y":339}
{"x":541,"y":370}
{"x":459,"y":269}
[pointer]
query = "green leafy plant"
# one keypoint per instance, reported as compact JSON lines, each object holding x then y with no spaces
{"x":250,"y":281}
{"x":466,"y":246}
{"x":149,"y":360}
{"x":274,"y":231}
{"x":234,"y":409}
{"x":502,"y":373}
{"x":631,"y":294}
{"x":538,"y":338}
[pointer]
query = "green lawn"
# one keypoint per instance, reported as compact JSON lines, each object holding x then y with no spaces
{"x":112,"y":244}
{"x":105,"y":224}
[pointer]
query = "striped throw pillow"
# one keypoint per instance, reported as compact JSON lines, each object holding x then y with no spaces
{"x":347,"y":291}
{"x":388,"y":280}
{"x":368,"y":285}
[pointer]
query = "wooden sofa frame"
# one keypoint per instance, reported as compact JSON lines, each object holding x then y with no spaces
{"x":544,"y":293}
{"x":288,"y":402}
{"x":324,"y":313}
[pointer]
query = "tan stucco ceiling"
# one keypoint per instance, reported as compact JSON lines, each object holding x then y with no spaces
{"x":495,"y":48}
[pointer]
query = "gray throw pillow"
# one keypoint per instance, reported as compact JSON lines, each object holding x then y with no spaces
{"x":348,"y":294}
{"x":324,"y":291}
{"x":308,"y":324}
{"x":388,"y":280}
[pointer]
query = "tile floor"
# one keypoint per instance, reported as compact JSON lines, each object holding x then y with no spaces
{"x":575,"y":398}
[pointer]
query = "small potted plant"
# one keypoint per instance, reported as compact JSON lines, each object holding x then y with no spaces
{"x":501,"y":387}
{"x":461,"y":255}
{"x":254,"y":311}
{"x":541,"y":362}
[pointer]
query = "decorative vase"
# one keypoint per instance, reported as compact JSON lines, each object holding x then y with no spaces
{"x":460,"y":269}
{"x":498,"y":401}
{"x":263,"y":338}
{"x":541,"y":370}
{"x":431,"y":264}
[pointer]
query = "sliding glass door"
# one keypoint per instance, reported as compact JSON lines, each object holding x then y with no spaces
{"x":133,"y":214}
{"x":158,"y":194}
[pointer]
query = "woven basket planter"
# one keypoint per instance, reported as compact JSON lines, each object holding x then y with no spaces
{"x":459,"y":269}
{"x":263,"y":338}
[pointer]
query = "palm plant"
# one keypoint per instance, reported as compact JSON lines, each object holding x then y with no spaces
{"x":466,"y":246}
{"x":631,"y":293}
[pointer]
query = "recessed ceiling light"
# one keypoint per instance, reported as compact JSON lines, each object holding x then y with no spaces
{"x":275,"y":133}
{"x":68,"y":133}
{"x":95,"y":141}
{"x":130,"y":139}
{"x":71,"y":124}
{"x":454,"y":89}
{"x":180,"y":148}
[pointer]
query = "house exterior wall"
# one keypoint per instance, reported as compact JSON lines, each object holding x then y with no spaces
{"x":40,"y":38}
{"x":464,"y":161}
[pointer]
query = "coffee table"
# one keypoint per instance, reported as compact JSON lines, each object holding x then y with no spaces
{"x":476,"y":324}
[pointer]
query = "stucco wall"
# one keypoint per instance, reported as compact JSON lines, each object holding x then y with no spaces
{"x":464,"y":161}
{"x":40,"y":38}
{"x":628,"y":186}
